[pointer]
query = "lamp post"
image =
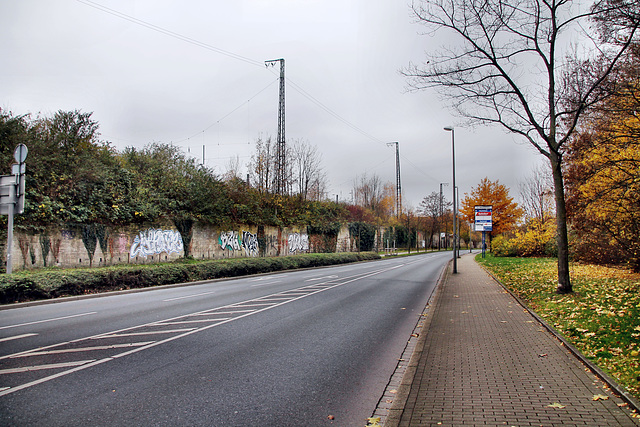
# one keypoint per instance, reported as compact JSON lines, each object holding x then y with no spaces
{"x":455,"y":205}
{"x":440,"y":216}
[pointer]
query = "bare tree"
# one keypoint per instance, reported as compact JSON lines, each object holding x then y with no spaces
{"x":509,"y":67}
{"x":536,"y":194}
{"x":368,"y":192}
{"x":309,"y":177}
{"x":232,"y":169}
{"x":262,"y":166}
{"x":431,"y":208}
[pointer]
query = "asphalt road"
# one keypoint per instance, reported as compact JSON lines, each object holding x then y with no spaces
{"x":288,"y":349}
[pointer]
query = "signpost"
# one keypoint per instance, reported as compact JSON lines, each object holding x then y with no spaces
{"x":483,"y":222}
{"x":12,"y":189}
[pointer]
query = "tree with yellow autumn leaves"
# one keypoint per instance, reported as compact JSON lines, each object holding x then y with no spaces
{"x":603,"y":173}
{"x":506,"y":213}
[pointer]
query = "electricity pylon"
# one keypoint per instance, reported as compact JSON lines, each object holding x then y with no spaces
{"x":281,"y":149}
{"x":398,"y":185}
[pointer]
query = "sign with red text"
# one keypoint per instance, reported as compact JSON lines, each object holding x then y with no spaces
{"x":483,"y":218}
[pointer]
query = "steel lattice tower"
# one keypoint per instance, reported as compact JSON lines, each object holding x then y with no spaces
{"x":398,"y":185}
{"x":281,"y":149}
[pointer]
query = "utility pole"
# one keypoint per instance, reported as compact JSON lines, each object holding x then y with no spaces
{"x":440,"y":217}
{"x":455,"y":205}
{"x":398,"y":185}
{"x":281,"y":149}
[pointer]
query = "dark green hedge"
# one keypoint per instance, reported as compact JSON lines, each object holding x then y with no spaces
{"x":29,"y":286}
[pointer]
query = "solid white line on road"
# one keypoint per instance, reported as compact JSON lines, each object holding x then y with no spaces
{"x":137,"y":334}
{"x":77,"y":350}
{"x":48,"y":320}
{"x":250,"y":304}
{"x":41,"y":367}
{"x":295,"y":297}
{"x":189,"y":296}
{"x":17,"y":337}
{"x":321,"y":278}
{"x":184,"y":322}
{"x":52,"y":377}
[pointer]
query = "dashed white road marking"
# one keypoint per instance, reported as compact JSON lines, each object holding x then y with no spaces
{"x":266,"y":283}
{"x":321,"y":278}
{"x":81,"y":349}
{"x":41,"y":367}
{"x":189,"y":296}
{"x":259,"y":307}
{"x":17,"y":337}
{"x":48,"y":320}
{"x":137,"y":334}
{"x":184,"y":322}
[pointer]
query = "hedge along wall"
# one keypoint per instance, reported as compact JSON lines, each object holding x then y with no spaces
{"x":84,"y":246}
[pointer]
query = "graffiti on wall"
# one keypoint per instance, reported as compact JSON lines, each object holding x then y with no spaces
{"x":250,"y":243}
{"x":229,"y":240}
{"x":233,"y":241}
{"x":155,"y":241}
{"x":298,"y":242}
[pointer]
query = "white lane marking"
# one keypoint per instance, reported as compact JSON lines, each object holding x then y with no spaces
{"x":41,"y":367}
{"x":176,"y":337}
{"x":214,"y":312}
{"x":266,"y":283}
{"x":17,"y":337}
{"x":259,"y":279}
{"x":52,"y":377}
{"x":321,"y":278}
{"x":48,"y":320}
{"x":184,"y":322}
{"x":81,"y":349}
{"x":138,"y":334}
{"x":204,"y":328}
{"x":189,"y":296}
{"x":252,"y":304}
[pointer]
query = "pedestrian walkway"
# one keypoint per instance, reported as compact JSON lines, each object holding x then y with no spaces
{"x":482,"y":359}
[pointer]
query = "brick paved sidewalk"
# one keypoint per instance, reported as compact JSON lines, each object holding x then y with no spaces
{"x":482,"y":359}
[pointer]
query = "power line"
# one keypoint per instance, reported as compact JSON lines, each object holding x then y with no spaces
{"x":228,"y":114}
{"x":195,"y":42}
{"x":335,"y":115}
{"x":169,"y":32}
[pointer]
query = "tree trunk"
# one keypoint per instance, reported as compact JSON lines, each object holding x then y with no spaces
{"x":185,"y":228}
{"x":562,"y":238}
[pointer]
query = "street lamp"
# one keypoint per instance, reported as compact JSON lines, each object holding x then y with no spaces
{"x":440,"y":216}
{"x":455,"y":205}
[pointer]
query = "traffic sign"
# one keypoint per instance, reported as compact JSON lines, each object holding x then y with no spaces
{"x":483,"y":218}
{"x":20,"y":153}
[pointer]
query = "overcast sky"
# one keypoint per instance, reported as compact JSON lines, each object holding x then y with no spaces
{"x":192,"y":73}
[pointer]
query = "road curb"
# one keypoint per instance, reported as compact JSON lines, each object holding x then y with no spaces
{"x":168,"y":286}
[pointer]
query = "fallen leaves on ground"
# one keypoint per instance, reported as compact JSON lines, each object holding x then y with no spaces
{"x":601,"y":318}
{"x":557,"y":405}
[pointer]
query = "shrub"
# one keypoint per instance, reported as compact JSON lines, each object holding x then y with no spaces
{"x":537,"y":240}
{"x":28,"y":286}
{"x":501,"y":246}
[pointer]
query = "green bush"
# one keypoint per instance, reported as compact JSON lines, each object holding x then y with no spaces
{"x":536,"y":240}
{"x":29,"y":286}
{"x":501,"y":246}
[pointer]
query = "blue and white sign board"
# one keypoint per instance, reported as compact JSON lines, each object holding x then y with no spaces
{"x":483,"y":218}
